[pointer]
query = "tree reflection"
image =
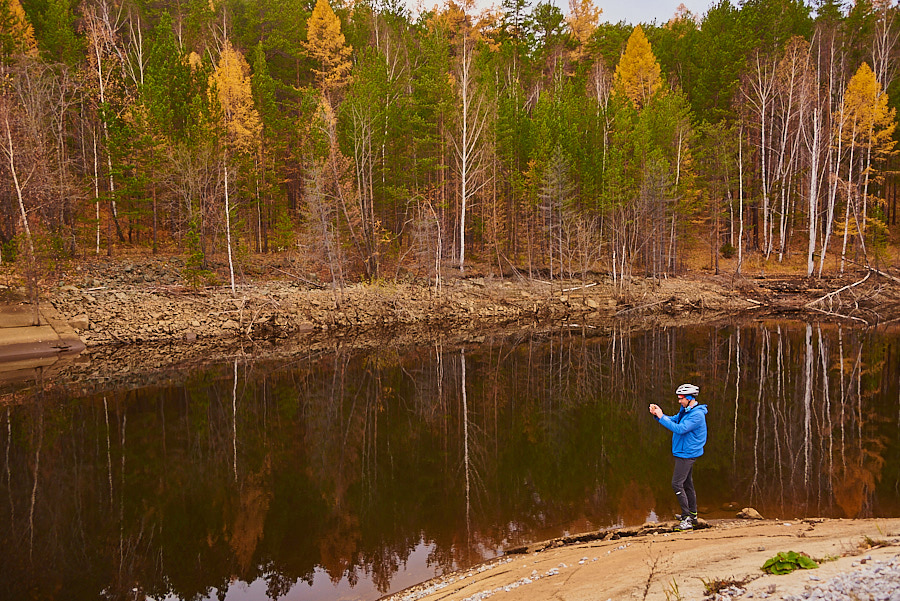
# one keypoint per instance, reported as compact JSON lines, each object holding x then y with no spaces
{"x":347,"y":463}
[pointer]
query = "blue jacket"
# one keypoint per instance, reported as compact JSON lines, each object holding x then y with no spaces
{"x":688,"y":431}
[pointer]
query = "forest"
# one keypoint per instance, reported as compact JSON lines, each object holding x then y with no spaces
{"x":364,"y":138}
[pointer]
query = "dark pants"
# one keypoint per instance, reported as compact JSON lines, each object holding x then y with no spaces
{"x":683,"y":485}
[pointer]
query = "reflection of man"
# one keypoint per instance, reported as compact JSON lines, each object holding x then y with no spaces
{"x":688,"y":437}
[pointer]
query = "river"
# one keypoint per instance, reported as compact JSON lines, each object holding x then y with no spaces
{"x":351,"y":474}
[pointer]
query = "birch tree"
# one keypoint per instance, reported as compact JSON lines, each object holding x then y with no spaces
{"x":759,"y":91}
{"x":17,"y":155}
{"x":104,"y":62}
{"x":363,"y":115}
{"x":884,"y":42}
{"x":468,"y":142}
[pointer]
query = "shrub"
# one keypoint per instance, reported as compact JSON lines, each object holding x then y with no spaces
{"x":788,"y":561}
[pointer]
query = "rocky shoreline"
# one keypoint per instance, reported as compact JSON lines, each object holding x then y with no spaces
{"x":147,"y":301}
{"x":140,"y":322}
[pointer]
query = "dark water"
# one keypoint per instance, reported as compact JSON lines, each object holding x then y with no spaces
{"x":351,"y":475}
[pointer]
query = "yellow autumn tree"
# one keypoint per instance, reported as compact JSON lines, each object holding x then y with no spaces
{"x":16,"y":32}
{"x":229,"y":88}
{"x":327,"y":46}
{"x":865,"y":130}
{"x":582,"y":19}
{"x":230,"y":83}
{"x":638,"y":72}
{"x":867,"y":120}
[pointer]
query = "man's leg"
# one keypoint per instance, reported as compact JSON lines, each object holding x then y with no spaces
{"x":689,"y":492}
{"x":680,"y":476}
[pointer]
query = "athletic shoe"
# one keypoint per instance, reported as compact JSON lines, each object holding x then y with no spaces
{"x":692,"y":516}
{"x":686,"y":524}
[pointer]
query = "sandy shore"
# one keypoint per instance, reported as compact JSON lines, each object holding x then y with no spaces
{"x":654,"y":563}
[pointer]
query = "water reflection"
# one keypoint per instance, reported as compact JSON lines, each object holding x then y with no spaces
{"x":351,"y":475}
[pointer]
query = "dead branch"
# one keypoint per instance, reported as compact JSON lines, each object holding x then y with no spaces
{"x":839,"y":290}
{"x":883,"y":274}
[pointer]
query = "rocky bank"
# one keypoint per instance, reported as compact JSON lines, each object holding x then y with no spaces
{"x":139,"y":319}
{"x":857,"y":560}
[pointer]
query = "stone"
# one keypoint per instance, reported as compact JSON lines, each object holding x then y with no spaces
{"x":80,"y":322}
{"x":748,"y":513}
{"x":591,"y":303}
{"x":190,"y":336}
{"x":231,"y":325}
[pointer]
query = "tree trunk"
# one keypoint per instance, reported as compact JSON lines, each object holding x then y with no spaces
{"x":813,"y":196}
{"x":228,"y":228}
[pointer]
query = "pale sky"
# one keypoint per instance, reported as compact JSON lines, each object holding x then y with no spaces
{"x":643,"y":11}
{"x":630,"y":11}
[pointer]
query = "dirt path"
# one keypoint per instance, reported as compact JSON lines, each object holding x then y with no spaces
{"x":655,"y":565}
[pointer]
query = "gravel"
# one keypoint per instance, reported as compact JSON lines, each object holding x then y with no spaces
{"x":870,"y":581}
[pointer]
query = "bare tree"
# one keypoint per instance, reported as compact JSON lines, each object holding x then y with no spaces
{"x":18,"y":152}
{"x":100,"y":27}
{"x":468,"y":143}
{"x":759,"y":92}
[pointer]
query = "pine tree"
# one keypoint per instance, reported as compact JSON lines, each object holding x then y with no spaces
{"x":54,"y":26}
{"x":638,"y":73}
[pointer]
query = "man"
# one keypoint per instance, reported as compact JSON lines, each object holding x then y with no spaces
{"x":688,"y":437}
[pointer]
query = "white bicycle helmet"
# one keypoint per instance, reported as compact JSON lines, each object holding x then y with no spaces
{"x":687,"y":390}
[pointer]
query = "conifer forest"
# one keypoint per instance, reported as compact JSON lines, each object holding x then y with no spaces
{"x":368,"y":138}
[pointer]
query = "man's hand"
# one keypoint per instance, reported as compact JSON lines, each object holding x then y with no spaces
{"x":655,"y":410}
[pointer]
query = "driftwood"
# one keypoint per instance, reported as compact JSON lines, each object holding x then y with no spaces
{"x":639,"y":307}
{"x":579,"y":287}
